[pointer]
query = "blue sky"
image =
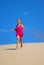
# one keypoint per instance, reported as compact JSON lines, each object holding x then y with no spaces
{"x":31,"y":13}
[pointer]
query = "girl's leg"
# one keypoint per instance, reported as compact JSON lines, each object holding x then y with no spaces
{"x":21,"y":41}
{"x":17,"y":41}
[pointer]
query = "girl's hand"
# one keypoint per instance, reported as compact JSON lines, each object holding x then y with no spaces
{"x":11,"y":30}
{"x":25,"y":29}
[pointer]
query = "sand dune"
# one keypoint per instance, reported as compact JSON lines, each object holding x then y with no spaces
{"x":30,"y":54}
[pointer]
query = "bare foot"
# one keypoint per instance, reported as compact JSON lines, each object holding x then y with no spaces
{"x":16,"y":45}
{"x":21,"y":45}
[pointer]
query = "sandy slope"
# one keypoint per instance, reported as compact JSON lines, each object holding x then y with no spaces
{"x":30,"y":54}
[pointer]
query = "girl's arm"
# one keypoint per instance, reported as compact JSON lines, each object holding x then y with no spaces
{"x":23,"y":27}
{"x":12,"y":30}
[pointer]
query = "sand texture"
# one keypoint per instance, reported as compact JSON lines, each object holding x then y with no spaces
{"x":30,"y":54}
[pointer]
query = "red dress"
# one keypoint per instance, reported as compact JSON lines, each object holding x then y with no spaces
{"x":18,"y":30}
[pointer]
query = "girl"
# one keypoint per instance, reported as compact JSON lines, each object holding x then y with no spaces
{"x":19,"y":33}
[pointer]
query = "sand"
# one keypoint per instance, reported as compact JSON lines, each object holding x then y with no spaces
{"x":30,"y":54}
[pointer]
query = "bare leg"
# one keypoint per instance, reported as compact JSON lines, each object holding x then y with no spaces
{"x":21,"y":41}
{"x":17,"y":42}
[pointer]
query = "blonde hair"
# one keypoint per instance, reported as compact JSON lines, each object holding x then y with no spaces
{"x":19,"y":19}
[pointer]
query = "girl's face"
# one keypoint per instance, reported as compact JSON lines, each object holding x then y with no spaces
{"x":18,"y":21}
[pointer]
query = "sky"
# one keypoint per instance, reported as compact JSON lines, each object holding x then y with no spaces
{"x":31,"y":13}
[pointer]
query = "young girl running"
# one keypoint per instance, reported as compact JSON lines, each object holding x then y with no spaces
{"x":19,"y":33}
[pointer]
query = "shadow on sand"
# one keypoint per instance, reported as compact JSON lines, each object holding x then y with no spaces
{"x":10,"y":49}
